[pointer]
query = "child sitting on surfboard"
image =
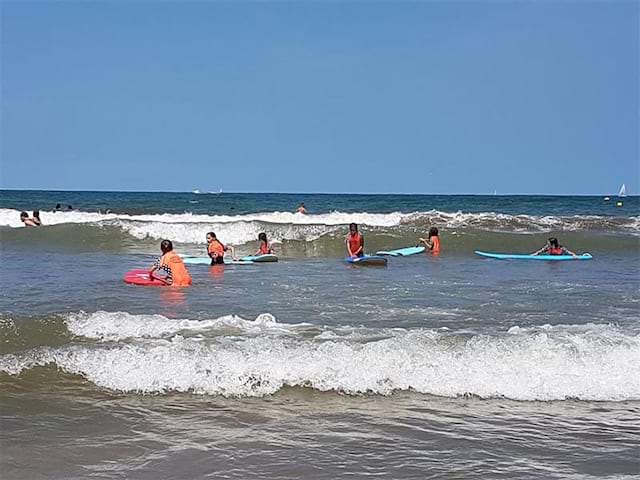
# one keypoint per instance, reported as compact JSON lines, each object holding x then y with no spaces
{"x":216,"y":249}
{"x":433,"y":242}
{"x":171,"y":263}
{"x":554,"y":248}
{"x":265,"y":248}
{"x":355,"y":242}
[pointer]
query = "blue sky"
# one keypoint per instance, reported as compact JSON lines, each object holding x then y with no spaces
{"x":424,"y":97}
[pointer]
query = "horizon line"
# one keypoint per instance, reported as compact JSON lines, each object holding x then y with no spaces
{"x":320,"y":193}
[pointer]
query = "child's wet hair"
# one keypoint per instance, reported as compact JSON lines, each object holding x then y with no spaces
{"x":433,"y":232}
{"x":166,"y":246}
{"x":262,"y":237}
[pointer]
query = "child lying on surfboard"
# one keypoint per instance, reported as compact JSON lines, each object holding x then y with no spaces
{"x":554,"y":248}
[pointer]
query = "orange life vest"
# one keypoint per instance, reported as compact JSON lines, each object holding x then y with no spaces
{"x":179,"y":272}
{"x":217,"y":248}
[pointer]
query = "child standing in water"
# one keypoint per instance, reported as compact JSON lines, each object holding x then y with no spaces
{"x":355,"y":242}
{"x":216,"y":249}
{"x":171,"y":263}
{"x":433,"y":242}
{"x":265,"y":248}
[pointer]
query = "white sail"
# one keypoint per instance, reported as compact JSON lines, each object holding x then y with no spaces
{"x":623,"y":191}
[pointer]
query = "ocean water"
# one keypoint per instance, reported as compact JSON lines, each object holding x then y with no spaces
{"x":449,"y":366}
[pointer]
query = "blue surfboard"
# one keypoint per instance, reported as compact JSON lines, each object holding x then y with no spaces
{"x":270,"y":257}
{"x":553,"y":258}
{"x":401,"y":252}
{"x":373,"y":260}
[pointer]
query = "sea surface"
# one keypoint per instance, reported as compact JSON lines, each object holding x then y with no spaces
{"x":448,"y":366}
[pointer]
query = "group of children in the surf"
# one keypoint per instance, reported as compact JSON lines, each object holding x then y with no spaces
{"x":34,"y":220}
{"x":355,"y":242}
{"x":175,"y":271}
{"x":177,"y":275}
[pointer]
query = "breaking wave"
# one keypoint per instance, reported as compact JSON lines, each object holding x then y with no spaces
{"x":283,"y":226}
{"x":230,"y":356}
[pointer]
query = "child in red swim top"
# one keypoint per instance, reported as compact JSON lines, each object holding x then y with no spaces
{"x":265,"y":247}
{"x":355,"y":242}
{"x":554,"y":248}
{"x":433,"y":242}
{"x":216,"y":249}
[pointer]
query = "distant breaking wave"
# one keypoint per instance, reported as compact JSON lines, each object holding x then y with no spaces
{"x":283,"y":226}
{"x":230,"y":356}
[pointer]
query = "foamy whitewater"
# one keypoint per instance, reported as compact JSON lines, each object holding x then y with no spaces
{"x":240,"y":229}
{"x":433,"y":366}
{"x":262,"y":356}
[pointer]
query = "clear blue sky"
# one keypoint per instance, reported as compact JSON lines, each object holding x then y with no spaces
{"x":425,"y":97}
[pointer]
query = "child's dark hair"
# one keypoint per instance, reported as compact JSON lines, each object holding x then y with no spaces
{"x":433,"y":232}
{"x":262,"y":237}
{"x":24,"y":215}
{"x":36,"y":214}
{"x":213,"y":235}
{"x":353,"y":226}
{"x":166,"y":246}
{"x":553,"y":241}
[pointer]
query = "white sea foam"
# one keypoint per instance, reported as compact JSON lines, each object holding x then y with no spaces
{"x":121,"y":325}
{"x":556,"y":363}
{"x":240,"y":229}
{"x":10,"y":217}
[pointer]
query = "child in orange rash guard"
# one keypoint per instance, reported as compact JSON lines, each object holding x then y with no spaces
{"x":265,"y":247}
{"x":355,"y":242}
{"x":216,"y":249}
{"x":172,"y":264}
{"x":433,"y":242}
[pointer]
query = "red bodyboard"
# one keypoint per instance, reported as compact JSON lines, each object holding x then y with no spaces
{"x":141,"y":277}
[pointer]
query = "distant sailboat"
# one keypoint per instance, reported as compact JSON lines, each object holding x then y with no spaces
{"x":495,"y":192}
{"x":623,"y":191}
{"x":196,"y":191}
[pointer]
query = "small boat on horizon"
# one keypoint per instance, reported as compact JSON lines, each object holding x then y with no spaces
{"x":623,"y":191}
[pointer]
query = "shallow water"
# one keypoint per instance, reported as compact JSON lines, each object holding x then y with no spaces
{"x":449,"y":366}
